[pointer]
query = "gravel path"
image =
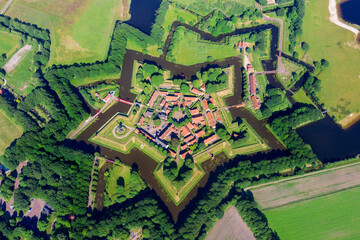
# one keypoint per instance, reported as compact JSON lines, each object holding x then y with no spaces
{"x":6,"y":6}
{"x":17,"y":58}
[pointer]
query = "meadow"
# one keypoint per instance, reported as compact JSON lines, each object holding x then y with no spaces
{"x":9,"y":131}
{"x":334,"y":216}
{"x":80,"y":30}
{"x":8,"y":43}
{"x":300,"y":96}
{"x":340,"y":83}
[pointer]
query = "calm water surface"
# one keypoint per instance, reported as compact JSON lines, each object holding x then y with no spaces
{"x":350,"y":11}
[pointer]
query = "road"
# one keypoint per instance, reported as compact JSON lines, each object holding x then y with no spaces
{"x":301,"y":176}
{"x":3,"y":11}
{"x":90,"y":119}
{"x":334,"y":18}
{"x":17,"y":58}
{"x":37,"y":206}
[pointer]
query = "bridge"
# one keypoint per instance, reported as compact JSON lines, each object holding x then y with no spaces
{"x":267,"y":72}
{"x":124,"y":101}
{"x":237,"y":106}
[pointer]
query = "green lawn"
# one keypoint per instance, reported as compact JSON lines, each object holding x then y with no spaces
{"x":189,"y":50}
{"x":8,"y":43}
{"x":300,"y":96}
{"x":21,"y":79}
{"x":80,"y":30}
{"x":335,"y":216}
{"x":341,"y":82}
{"x":9,"y":131}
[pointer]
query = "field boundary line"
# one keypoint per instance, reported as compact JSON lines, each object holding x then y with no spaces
{"x":301,"y":176}
{"x":310,"y":198}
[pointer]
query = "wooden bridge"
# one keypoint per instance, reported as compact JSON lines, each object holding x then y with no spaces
{"x":237,"y":106}
{"x":124,"y":101}
{"x":267,"y":72}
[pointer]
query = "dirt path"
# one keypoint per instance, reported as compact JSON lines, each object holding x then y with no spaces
{"x":3,"y":11}
{"x":334,"y":18}
{"x":17,"y":58}
{"x":306,"y":186}
{"x":231,"y":227}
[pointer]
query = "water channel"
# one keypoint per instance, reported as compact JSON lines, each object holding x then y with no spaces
{"x":349,"y":10}
{"x":314,"y":134}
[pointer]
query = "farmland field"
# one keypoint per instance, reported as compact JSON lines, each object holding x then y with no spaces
{"x":231,"y":227}
{"x":334,"y":216}
{"x":80,"y":30}
{"x":295,"y":190}
{"x":9,"y":131}
{"x":340,"y":83}
{"x":8,"y":43}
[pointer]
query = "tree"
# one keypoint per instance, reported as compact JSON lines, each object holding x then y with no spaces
{"x":295,"y":54}
{"x":157,"y":122}
{"x":325,"y":64}
{"x":157,"y":79}
{"x":262,"y":2}
{"x":175,"y":142}
{"x":305,"y":46}
{"x":248,"y":50}
{"x":185,"y":88}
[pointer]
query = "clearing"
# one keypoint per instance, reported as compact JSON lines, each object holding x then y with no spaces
{"x":340,"y":83}
{"x":17,"y":58}
{"x":9,"y":131}
{"x":334,"y":216}
{"x":231,"y":227}
{"x":80,"y":30}
{"x":8,"y":43}
{"x":307,"y":187}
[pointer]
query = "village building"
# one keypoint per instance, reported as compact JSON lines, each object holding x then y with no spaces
{"x":212,"y":100}
{"x":188,"y":138}
{"x":163,"y":93}
{"x":194,"y":112}
{"x":210,"y":139}
{"x":172,"y":153}
{"x":108,"y":96}
{"x":218,"y":116}
{"x":191,"y":126}
{"x":141,"y":121}
{"x":184,"y":146}
{"x":167,"y":131}
{"x":198,"y":119}
{"x":241,"y":45}
{"x":250,"y":69}
{"x":200,"y":133}
{"x":252,"y":84}
{"x":183,"y":156}
{"x":256,"y":101}
{"x":162,"y":116}
{"x":203,"y":88}
{"x":171,"y":98}
{"x":153,"y":98}
{"x":205,"y":103}
{"x":185,"y":131}
{"x":162,"y":103}
{"x":192,"y":142}
{"x":149,"y":113}
{"x":196,"y":91}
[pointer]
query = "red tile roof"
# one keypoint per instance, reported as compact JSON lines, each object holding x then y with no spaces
{"x":217,"y":116}
{"x":190,"y":125}
{"x":162,"y":103}
{"x":211,"y":119}
{"x":167,"y":132}
{"x":107,"y":98}
{"x":192,"y":142}
{"x":184,"y":146}
{"x":256,"y":102}
{"x":252,"y":84}
{"x":210,"y":139}
{"x":200,"y":133}
{"x":203,"y":88}
{"x":205,"y":102}
{"x":172,"y":153}
{"x":171,"y":98}
{"x":190,"y":98}
{"x":189,"y":138}
{"x":185,"y":131}
{"x":198,"y":119}
{"x":153,"y":98}
{"x":250,"y":68}
{"x":141,"y":121}
{"x":212,"y":101}
{"x":194,"y":112}
{"x":196,"y":91}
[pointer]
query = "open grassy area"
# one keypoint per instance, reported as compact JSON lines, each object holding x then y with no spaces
{"x":9,"y":131}
{"x":21,"y":78}
{"x":340,"y":83}
{"x":335,"y":216}
{"x":8,"y":43}
{"x":204,"y":7}
{"x":189,"y":49}
{"x":80,"y":30}
{"x":300,"y":96}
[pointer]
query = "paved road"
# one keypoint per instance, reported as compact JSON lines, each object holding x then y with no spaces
{"x":3,"y":11}
{"x":90,"y":119}
{"x":301,"y":176}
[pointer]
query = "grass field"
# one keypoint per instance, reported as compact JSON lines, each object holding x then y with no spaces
{"x":300,"y":96}
{"x":335,"y":216}
{"x":231,"y":227}
{"x":9,"y":131}
{"x":189,"y":50}
{"x":8,"y":43}
{"x":304,"y":187}
{"x":80,"y":30}
{"x":21,"y":79}
{"x":340,"y":83}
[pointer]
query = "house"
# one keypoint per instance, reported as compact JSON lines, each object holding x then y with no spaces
{"x":108,"y":96}
{"x":241,"y":45}
{"x":161,"y":143}
{"x":196,"y":91}
{"x":153,"y":98}
{"x":172,"y":153}
{"x":188,"y":138}
{"x":252,"y":84}
{"x":250,"y":68}
{"x":149,"y":113}
{"x":256,"y":101}
{"x":210,"y":139}
{"x":183,"y":147}
{"x":171,"y":98}
{"x":271,"y":2}
{"x":205,"y":103}
{"x":162,"y":116}
{"x":185,"y":131}
{"x":212,"y":100}
{"x":198,"y":119}
{"x":168,"y":130}
{"x":203,"y":88}
{"x":183,"y":156}
{"x":141,"y":121}
{"x":191,"y":126}
{"x":194,"y":112}
{"x":96,"y":94}
{"x":192,"y":142}
{"x":200,"y":133}
{"x":146,"y":134}
{"x":211,"y":119}
{"x":164,"y":93}
{"x":218,"y":116}
{"x":162,"y":103}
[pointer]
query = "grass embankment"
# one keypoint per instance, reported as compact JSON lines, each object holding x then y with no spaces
{"x":334,"y":216}
{"x":340,"y":83}
{"x":9,"y":131}
{"x":80,"y":30}
{"x":300,"y":96}
{"x":21,"y":78}
{"x":8,"y":43}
